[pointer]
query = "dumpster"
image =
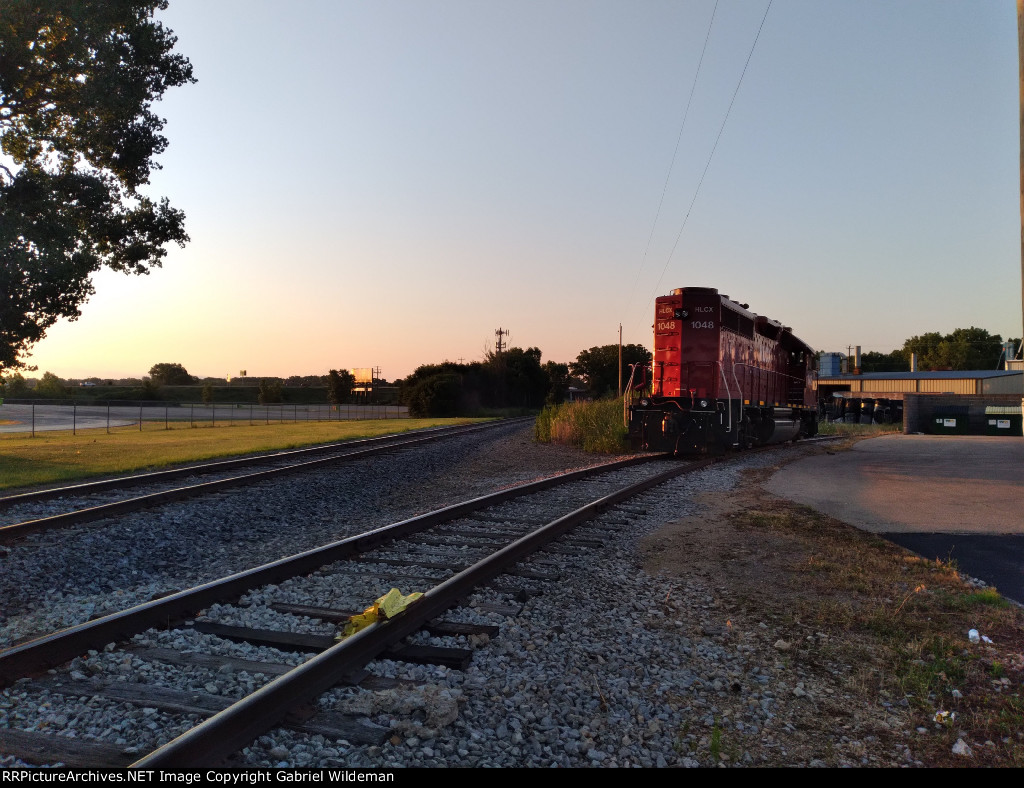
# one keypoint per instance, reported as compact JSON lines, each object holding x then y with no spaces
{"x":1003,"y":420}
{"x":950,"y":420}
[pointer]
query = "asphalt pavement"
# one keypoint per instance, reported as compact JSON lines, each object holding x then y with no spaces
{"x":941,"y":496}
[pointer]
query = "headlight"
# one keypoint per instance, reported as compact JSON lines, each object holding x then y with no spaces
{"x":703,"y":403}
{"x":644,"y":403}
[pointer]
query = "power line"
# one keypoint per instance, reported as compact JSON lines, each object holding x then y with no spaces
{"x":672,"y":164}
{"x":713,"y":149}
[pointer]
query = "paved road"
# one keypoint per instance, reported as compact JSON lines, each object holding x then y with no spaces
{"x":20,"y":418}
{"x":941,"y":496}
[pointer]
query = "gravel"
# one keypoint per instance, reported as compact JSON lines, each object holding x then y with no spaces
{"x":53,"y":580}
{"x":606,"y":667}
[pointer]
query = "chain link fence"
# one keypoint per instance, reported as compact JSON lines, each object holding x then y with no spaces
{"x":33,"y":416}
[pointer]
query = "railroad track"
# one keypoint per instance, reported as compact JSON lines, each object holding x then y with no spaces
{"x":61,"y":507}
{"x":294,"y":605}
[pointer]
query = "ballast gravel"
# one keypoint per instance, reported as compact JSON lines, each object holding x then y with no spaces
{"x":606,"y":666}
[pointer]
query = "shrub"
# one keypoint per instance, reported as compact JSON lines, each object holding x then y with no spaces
{"x":150,"y":390}
{"x":269,"y":393}
{"x":435,"y":396}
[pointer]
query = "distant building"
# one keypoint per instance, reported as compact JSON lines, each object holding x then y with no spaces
{"x":893,"y":385}
{"x":980,"y":402}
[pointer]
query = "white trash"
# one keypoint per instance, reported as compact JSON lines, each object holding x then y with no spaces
{"x":973,"y":636}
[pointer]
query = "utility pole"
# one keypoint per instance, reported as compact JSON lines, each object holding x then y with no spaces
{"x":1020,"y":80}
{"x":500,"y":346}
{"x":620,"y":348}
{"x":1020,"y":86}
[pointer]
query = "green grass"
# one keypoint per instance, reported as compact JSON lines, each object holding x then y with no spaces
{"x":591,"y":426}
{"x":715,"y":746}
{"x":857,"y":430}
{"x":62,"y":457}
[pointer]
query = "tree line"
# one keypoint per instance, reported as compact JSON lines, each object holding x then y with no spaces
{"x":513,"y":379}
{"x":963,"y":349}
{"x":338,"y":383}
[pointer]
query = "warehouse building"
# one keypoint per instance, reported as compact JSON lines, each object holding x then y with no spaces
{"x":984,"y":402}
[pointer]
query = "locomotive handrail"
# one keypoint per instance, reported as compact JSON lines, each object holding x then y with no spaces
{"x":728,"y":393}
{"x":629,"y":388}
{"x":739,"y":389}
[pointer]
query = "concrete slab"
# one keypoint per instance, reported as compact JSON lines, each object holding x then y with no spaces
{"x":944,"y":497}
{"x":915,"y":484}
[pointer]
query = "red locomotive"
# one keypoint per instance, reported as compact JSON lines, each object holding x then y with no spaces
{"x":722,"y":377}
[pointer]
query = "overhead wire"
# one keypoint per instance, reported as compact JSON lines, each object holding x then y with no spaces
{"x":672,"y":163}
{"x":713,"y":149}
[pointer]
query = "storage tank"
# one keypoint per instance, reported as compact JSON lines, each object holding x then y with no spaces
{"x":831,"y":365}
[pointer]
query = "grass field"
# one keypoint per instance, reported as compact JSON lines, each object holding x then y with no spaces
{"x":62,"y":457}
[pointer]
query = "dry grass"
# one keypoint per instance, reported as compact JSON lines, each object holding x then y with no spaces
{"x":60,"y":457}
{"x":877,"y":636}
{"x":901,"y":623}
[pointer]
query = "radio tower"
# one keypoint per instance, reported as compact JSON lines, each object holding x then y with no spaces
{"x":500,"y":346}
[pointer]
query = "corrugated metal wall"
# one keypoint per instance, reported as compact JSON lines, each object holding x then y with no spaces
{"x":1010,"y":384}
{"x":957,"y":386}
{"x":888,"y":385}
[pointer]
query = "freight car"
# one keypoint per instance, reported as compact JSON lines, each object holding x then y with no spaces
{"x":721,"y":377}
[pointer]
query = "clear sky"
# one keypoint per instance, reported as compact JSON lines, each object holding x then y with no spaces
{"x":387,"y":183}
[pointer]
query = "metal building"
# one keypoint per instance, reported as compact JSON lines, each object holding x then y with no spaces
{"x":894,"y":385}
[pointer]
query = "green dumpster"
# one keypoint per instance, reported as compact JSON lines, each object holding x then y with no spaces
{"x":950,"y":420}
{"x":1003,"y":420}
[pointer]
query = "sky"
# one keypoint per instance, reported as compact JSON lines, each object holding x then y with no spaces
{"x":386,"y":184}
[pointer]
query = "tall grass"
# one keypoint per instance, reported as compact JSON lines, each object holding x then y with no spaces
{"x":591,"y":426}
{"x":857,"y":430}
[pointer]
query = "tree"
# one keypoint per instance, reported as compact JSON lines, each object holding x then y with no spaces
{"x":339,"y":386}
{"x":599,"y":366}
{"x":435,"y":396}
{"x":516,"y":378}
{"x":873,"y":361}
{"x":15,"y":385}
{"x":78,"y":138}
{"x":50,"y":386}
{"x":558,"y":387}
{"x":305,"y":381}
{"x":270,"y":392}
{"x":170,"y":375}
{"x":965,"y":348}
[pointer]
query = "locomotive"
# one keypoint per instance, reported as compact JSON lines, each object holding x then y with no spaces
{"x":722,"y":377}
